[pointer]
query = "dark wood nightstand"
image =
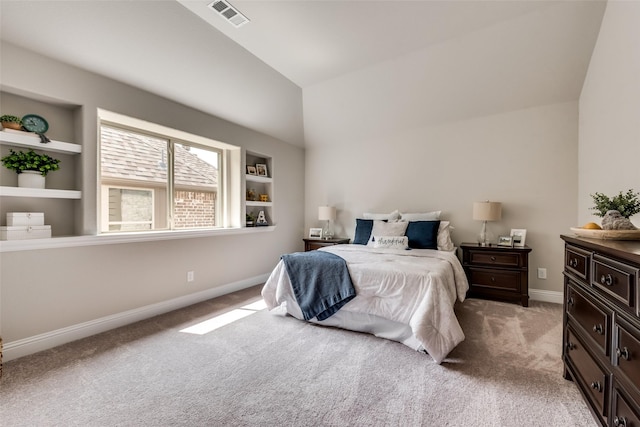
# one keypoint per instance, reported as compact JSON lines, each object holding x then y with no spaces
{"x":313,"y":244}
{"x":497,"y":272}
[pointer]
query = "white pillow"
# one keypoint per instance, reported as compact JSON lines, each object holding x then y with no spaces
{"x":393,"y":216}
{"x":383,"y":228}
{"x":444,"y":237}
{"x":391,"y":242}
{"x":426,"y":216}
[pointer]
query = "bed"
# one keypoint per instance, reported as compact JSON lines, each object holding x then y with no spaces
{"x":403,"y":291}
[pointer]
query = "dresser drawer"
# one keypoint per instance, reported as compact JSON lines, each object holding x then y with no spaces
{"x":593,"y":379}
{"x":495,"y":258}
{"x":616,"y":279}
{"x":497,"y":279}
{"x":592,"y":318}
{"x":624,"y":412}
{"x":577,"y":261}
{"x":627,"y":352}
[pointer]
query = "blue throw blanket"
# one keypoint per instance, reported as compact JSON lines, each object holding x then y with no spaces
{"x":320,"y":282}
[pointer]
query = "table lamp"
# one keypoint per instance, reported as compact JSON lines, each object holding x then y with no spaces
{"x":486,"y":211}
{"x":327,"y":213}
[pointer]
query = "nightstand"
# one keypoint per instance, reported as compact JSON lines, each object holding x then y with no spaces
{"x":313,"y":244}
{"x":497,"y":272}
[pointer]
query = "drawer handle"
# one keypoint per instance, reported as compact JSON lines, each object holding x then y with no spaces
{"x":624,"y":353}
{"x":596,"y":386}
{"x":573,"y":262}
{"x":493,"y":259}
{"x":570,"y":301}
{"x":620,"y":422}
{"x":493,"y":279}
{"x":570,"y":346}
{"x":606,"y":280}
{"x":598,"y":329}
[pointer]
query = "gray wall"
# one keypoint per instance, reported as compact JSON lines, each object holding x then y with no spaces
{"x":45,"y":290}
{"x":389,"y":137}
{"x":609,"y":111}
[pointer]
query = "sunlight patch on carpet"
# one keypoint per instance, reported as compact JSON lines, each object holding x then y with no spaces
{"x":225,"y":319}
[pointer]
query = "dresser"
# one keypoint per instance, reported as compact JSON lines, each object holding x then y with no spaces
{"x":601,"y":326}
{"x":497,"y":272}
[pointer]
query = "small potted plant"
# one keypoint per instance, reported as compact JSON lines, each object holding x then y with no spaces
{"x":11,"y":122}
{"x":30,"y":166}
{"x":627,"y":204}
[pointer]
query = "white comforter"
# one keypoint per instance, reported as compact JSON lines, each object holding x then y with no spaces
{"x":415,"y":287}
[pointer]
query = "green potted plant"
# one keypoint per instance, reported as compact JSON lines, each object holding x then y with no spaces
{"x":628,"y":204}
{"x":11,"y":122}
{"x":30,"y":166}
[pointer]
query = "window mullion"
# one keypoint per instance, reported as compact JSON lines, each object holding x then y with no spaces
{"x":171,"y":183}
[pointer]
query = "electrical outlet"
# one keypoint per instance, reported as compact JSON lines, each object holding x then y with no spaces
{"x":542,"y":273}
{"x":191,"y":276}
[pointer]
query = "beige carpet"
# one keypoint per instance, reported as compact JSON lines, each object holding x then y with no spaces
{"x":264,"y":370}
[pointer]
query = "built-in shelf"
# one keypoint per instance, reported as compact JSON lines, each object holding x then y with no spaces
{"x":261,"y":179}
{"x":259,"y":185}
{"x":29,"y":140}
{"x":255,"y":203}
{"x":45,"y":193}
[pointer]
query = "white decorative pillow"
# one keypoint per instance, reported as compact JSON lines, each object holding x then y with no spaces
{"x":383,"y":228}
{"x":426,"y":216}
{"x":391,"y":242}
{"x":393,"y":216}
{"x":444,"y":237}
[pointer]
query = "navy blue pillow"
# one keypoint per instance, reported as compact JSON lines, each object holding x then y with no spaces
{"x":363,"y":231}
{"x":423,"y":234}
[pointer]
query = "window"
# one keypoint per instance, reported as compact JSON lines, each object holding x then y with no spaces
{"x":151,"y":179}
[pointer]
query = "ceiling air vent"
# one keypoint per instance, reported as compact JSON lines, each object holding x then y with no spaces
{"x":229,"y":13}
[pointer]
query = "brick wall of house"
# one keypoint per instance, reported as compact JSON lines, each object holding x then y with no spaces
{"x":194,"y":209}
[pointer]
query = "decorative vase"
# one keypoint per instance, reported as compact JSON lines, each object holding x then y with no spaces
{"x":31,"y":179}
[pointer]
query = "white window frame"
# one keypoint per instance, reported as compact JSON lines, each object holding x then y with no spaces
{"x":230,"y":194}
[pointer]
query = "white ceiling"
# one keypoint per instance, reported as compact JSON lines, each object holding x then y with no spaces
{"x":312,"y":41}
{"x":178,"y":49}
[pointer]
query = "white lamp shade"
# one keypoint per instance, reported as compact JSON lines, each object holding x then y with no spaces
{"x":487,"y":211}
{"x":326,"y":213}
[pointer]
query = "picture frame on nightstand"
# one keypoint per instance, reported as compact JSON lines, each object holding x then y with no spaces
{"x":505,"y":241}
{"x":315,"y":233}
{"x":519,"y":236}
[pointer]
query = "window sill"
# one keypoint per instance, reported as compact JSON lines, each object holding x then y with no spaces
{"x":112,"y":239}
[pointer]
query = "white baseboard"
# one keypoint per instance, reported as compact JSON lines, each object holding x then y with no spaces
{"x":15,"y":349}
{"x":546,"y":296}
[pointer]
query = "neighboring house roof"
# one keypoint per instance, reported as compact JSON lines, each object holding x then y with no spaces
{"x":130,"y":156}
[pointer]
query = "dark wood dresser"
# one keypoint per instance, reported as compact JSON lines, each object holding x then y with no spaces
{"x":601,"y":326}
{"x":497,"y":272}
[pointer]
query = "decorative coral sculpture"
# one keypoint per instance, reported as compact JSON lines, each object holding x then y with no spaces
{"x":613,"y":220}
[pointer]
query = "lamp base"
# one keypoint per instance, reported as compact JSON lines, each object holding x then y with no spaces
{"x":327,"y":233}
{"x":485,"y":237}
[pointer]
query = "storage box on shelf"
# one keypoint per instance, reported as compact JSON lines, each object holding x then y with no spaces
{"x":25,"y":218}
{"x":259,"y":187}
{"x":601,"y":326}
{"x":25,"y":225}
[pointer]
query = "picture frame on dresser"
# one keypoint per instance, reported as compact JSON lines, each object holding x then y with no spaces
{"x":519,"y":236}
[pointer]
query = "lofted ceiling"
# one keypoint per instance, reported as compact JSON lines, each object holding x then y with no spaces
{"x":289,"y":46}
